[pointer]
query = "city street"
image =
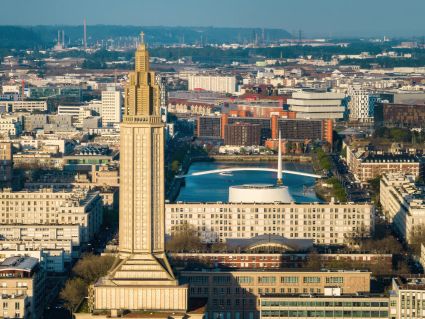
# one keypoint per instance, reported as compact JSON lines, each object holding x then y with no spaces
{"x":355,"y":192}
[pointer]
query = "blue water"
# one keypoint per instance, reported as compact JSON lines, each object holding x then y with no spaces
{"x":214,"y":187}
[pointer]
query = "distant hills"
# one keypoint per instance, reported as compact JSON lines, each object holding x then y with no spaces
{"x":45,"y":36}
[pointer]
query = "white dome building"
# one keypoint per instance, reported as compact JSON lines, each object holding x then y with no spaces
{"x":259,"y":193}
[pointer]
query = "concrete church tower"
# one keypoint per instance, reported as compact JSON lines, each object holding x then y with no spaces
{"x":143,"y":279}
{"x":141,"y":165}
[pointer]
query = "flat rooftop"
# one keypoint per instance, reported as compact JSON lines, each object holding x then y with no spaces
{"x":18,"y":263}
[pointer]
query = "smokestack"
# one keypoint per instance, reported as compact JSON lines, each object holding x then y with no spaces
{"x":59,"y":37}
{"x":85,"y":34}
{"x":63,"y":38}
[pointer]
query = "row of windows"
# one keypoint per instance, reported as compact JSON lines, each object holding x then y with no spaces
{"x":203,"y":280}
{"x":262,"y":210}
{"x":281,"y":303}
{"x":6,"y":305}
{"x":327,"y":314}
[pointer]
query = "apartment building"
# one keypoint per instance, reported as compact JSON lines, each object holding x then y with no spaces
{"x":367,"y":165}
{"x":50,"y":207}
{"x":242,"y":134}
{"x":292,"y":129}
{"x":6,"y":163}
{"x":183,"y":106}
{"x":112,"y":103}
{"x":213,"y":83}
{"x":408,"y":115}
{"x":10,"y":125}
{"x":22,"y":285}
{"x":402,"y":203}
{"x":38,"y":233}
{"x":52,"y":261}
{"x":324,"y":223}
{"x":407,"y":297}
{"x":361,"y":105}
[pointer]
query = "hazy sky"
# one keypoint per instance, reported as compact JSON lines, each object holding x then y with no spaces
{"x":326,"y":17}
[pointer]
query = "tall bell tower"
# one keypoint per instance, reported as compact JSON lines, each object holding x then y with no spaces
{"x":143,"y":279}
{"x":142,"y":162}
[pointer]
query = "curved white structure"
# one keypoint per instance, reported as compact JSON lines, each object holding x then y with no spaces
{"x":259,"y":193}
{"x":239,"y":169}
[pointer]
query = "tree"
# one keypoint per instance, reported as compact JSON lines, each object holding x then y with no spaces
{"x":417,"y":238}
{"x":386,"y":245}
{"x":87,"y":271}
{"x":339,"y":191}
{"x":343,"y":152}
{"x":91,"y":267}
{"x":314,"y":261}
{"x":184,"y":238}
{"x":74,"y":291}
{"x":175,"y":165}
{"x":218,"y":248}
{"x":375,"y":185}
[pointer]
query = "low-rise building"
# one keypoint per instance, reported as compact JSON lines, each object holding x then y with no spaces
{"x":237,"y":294}
{"x":254,"y":258}
{"x":85,"y":156}
{"x":331,"y":305}
{"x":105,"y":175}
{"x":26,"y":105}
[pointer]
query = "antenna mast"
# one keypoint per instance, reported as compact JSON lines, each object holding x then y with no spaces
{"x":279,"y":162}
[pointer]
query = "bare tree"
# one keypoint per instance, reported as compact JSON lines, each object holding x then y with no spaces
{"x":74,"y":291}
{"x":417,"y":238}
{"x":91,"y":267}
{"x":184,"y":238}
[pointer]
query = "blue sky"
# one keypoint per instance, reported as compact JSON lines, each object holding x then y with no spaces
{"x":314,"y":17}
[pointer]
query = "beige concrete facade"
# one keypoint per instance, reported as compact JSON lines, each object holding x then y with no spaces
{"x":325,"y":223}
{"x":402,"y":203}
{"x":236,"y":294}
{"x":6,"y":160}
{"x":407,"y":299}
{"x":22,"y":287}
{"x":143,"y":279}
{"x":49,"y":207}
{"x":313,"y":306}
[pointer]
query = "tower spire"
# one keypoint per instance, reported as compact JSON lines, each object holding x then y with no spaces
{"x":279,"y":162}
